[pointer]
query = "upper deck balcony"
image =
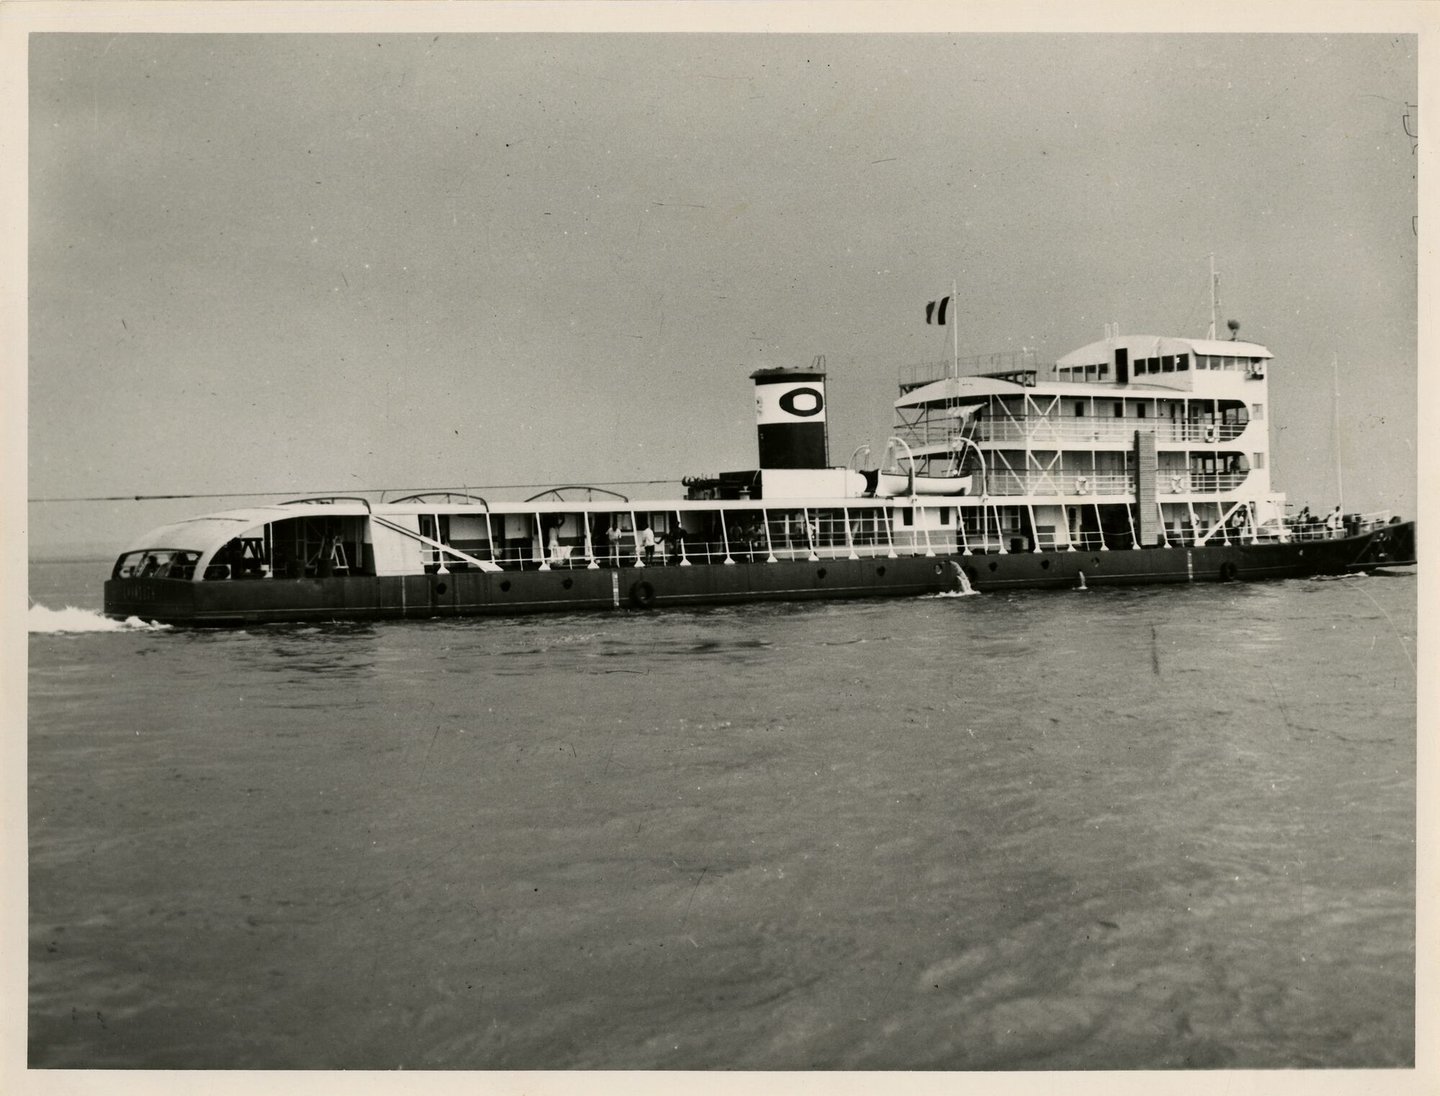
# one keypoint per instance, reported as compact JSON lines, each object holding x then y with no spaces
{"x":1061,"y":484}
{"x":1045,"y":431}
{"x":1079,"y":431}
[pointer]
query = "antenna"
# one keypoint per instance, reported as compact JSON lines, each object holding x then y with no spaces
{"x":1335,"y":399}
{"x":955,"y":324}
{"x":1214,"y":295}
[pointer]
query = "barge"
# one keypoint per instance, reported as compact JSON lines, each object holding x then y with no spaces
{"x":1135,"y":459}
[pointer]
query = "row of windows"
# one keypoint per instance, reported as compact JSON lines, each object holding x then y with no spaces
{"x":1165,"y":363}
{"x":1197,"y":413}
{"x":1210,"y":361}
{"x":1168,"y":363}
{"x":1084,"y":372}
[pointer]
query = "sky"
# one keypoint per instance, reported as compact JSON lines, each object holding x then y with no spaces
{"x":341,"y":262}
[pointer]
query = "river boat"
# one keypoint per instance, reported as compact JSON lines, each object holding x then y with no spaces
{"x":1136,"y":459}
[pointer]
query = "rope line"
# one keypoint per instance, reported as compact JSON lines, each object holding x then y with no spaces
{"x":292,"y":493}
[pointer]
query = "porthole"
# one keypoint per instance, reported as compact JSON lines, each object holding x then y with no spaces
{"x":881,"y":570}
{"x":1044,"y":565}
{"x":820,"y":573}
{"x":505,"y":585}
{"x":569,"y":582}
{"x":440,"y":587}
{"x":994,"y":566}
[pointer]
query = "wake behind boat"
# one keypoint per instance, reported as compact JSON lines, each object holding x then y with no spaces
{"x":1135,"y":459}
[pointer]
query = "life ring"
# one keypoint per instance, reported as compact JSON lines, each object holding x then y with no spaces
{"x":1212,"y":434}
{"x":1082,"y":485}
{"x":642,"y":595}
{"x":1229,"y":572}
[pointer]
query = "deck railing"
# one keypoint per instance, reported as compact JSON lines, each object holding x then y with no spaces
{"x":1007,"y":361}
{"x":1350,"y":525}
{"x":1004,"y":482}
{"x":1044,"y":430}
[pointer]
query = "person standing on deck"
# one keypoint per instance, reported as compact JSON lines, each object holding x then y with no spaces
{"x":613,"y":535}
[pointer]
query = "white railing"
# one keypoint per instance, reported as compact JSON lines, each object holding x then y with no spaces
{"x":1058,"y":483}
{"x":1041,"y":430}
{"x":1185,"y":483}
{"x":1351,"y":525}
{"x":1008,"y":361}
{"x":1005,"y":482}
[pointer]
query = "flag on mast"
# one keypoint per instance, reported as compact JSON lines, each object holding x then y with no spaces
{"x":935,"y":311}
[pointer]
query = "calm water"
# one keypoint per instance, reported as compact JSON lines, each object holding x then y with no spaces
{"x":1103,"y":829}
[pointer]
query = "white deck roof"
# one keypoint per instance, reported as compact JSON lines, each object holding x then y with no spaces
{"x":199,"y":534}
{"x":1156,"y":346}
{"x":958,"y":390}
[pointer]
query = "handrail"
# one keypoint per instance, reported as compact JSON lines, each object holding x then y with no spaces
{"x":1081,"y":482}
{"x":322,"y":499}
{"x":577,"y":487}
{"x":1084,"y":428}
{"x":447,"y":496}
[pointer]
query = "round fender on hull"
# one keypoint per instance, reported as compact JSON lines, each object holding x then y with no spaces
{"x":642,"y":595}
{"x":1229,"y":572}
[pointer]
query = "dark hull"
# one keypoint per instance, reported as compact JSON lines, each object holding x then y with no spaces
{"x":475,"y":593}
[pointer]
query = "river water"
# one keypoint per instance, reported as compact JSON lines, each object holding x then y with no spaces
{"x":1160,"y":828}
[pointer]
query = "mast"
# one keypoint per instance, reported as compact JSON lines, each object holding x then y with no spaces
{"x":1335,"y":400}
{"x":955,"y":327}
{"x":1214,"y":295}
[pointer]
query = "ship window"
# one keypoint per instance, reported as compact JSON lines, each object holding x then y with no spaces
{"x":1167,"y":363}
{"x":140,"y":564}
{"x":1104,"y":369}
{"x":1079,"y":410}
{"x":1258,"y":460}
{"x":1257,"y":411}
{"x":1182,"y":363}
{"x":907,"y":516}
{"x":156,"y":563}
{"x":1119,"y":406}
{"x":1139,"y":410}
{"x":243,"y":557}
{"x":1089,"y":372}
{"x":945,"y":517}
